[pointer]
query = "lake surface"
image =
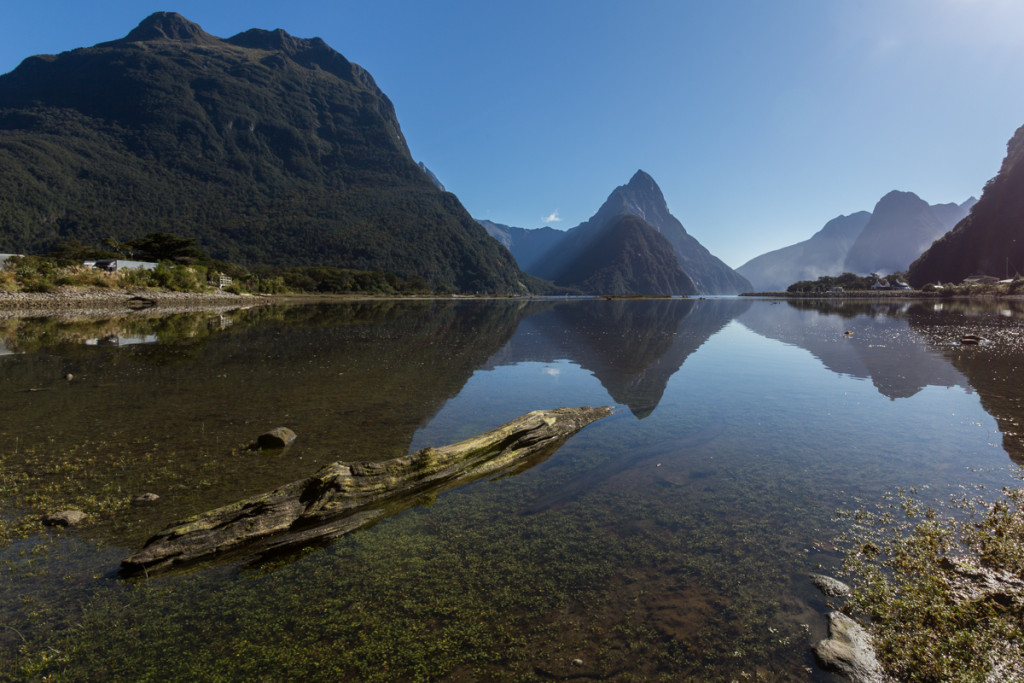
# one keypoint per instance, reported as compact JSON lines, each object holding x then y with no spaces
{"x":671,"y":540}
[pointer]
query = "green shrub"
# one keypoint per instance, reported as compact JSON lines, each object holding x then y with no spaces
{"x":8,"y":281}
{"x":180,"y":278}
{"x":83,"y":276}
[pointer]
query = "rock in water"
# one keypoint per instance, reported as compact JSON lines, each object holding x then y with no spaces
{"x":145,"y":499}
{"x":848,"y":650}
{"x":343,"y":497}
{"x":64,"y":518}
{"x":279,"y":437}
{"x":833,"y":588}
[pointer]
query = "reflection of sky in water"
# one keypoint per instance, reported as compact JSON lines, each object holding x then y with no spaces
{"x":492,"y":397}
{"x":767,"y":399}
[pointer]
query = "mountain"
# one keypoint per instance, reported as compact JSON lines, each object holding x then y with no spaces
{"x":986,"y":241}
{"x":527,"y":246}
{"x":642,"y":197}
{"x":823,"y":254}
{"x":883,"y":241}
{"x":433,"y":178}
{"x":623,"y":256}
{"x":571,"y":257}
{"x":901,"y":228}
{"x":269,"y":149}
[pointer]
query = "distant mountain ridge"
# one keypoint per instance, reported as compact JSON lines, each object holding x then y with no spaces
{"x":882,"y":241}
{"x":990,"y":240}
{"x":527,"y":246}
{"x":824,"y":253}
{"x":901,"y":228}
{"x":635,"y":225}
{"x":270,"y":149}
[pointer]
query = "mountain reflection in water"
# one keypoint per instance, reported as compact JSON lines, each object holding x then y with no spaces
{"x":864,"y":340}
{"x":632,"y":347}
{"x":658,"y":542}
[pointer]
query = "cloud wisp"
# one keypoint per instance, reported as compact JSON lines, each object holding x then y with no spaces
{"x":553,"y":217}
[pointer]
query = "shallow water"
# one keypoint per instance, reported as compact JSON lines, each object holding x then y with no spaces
{"x":670,"y":540}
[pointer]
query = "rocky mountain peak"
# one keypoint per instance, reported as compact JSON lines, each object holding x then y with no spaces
{"x":168,"y":26}
{"x":642,"y":181}
{"x":278,"y":39}
{"x":898,"y":199}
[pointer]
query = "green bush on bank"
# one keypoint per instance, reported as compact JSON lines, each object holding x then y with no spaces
{"x":46,"y":273}
{"x":185,"y":267}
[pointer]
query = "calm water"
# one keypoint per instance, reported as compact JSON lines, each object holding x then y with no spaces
{"x":671,"y":540}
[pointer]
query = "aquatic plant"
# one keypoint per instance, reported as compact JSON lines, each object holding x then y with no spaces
{"x":942,"y":585}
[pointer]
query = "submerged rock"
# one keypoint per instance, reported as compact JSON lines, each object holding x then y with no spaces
{"x":848,"y":650}
{"x":65,"y":518}
{"x":279,"y":437}
{"x":833,"y":588}
{"x":145,"y":499}
{"x":343,"y":497}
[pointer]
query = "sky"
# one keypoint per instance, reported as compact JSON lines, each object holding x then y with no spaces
{"x":759,"y":119}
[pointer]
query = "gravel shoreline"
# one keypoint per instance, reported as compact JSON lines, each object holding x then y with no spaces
{"x":65,"y":299}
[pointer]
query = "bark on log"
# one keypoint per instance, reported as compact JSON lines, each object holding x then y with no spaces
{"x":343,"y":497}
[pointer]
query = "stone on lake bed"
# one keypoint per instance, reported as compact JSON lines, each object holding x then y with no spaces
{"x":279,"y":437}
{"x":64,"y":518}
{"x":145,"y":499}
{"x":833,"y":588}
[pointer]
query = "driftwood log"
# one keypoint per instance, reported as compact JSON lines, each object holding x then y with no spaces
{"x":343,"y":497}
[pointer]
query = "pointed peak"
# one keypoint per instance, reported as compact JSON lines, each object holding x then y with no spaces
{"x":642,"y":189}
{"x":168,"y":26}
{"x":643,"y":179}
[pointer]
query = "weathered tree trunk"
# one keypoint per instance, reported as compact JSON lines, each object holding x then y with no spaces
{"x":343,"y":497}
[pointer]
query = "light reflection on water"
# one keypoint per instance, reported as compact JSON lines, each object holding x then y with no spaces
{"x":672,"y":538}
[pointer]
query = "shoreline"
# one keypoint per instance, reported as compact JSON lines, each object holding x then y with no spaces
{"x":65,"y":300}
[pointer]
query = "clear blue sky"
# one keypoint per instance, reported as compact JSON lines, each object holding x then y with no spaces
{"x":760,"y":119}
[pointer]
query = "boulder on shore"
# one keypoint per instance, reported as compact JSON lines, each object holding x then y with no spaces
{"x":343,"y":497}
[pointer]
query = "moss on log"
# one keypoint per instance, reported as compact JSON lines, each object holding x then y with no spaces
{"x":343,"y":497}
